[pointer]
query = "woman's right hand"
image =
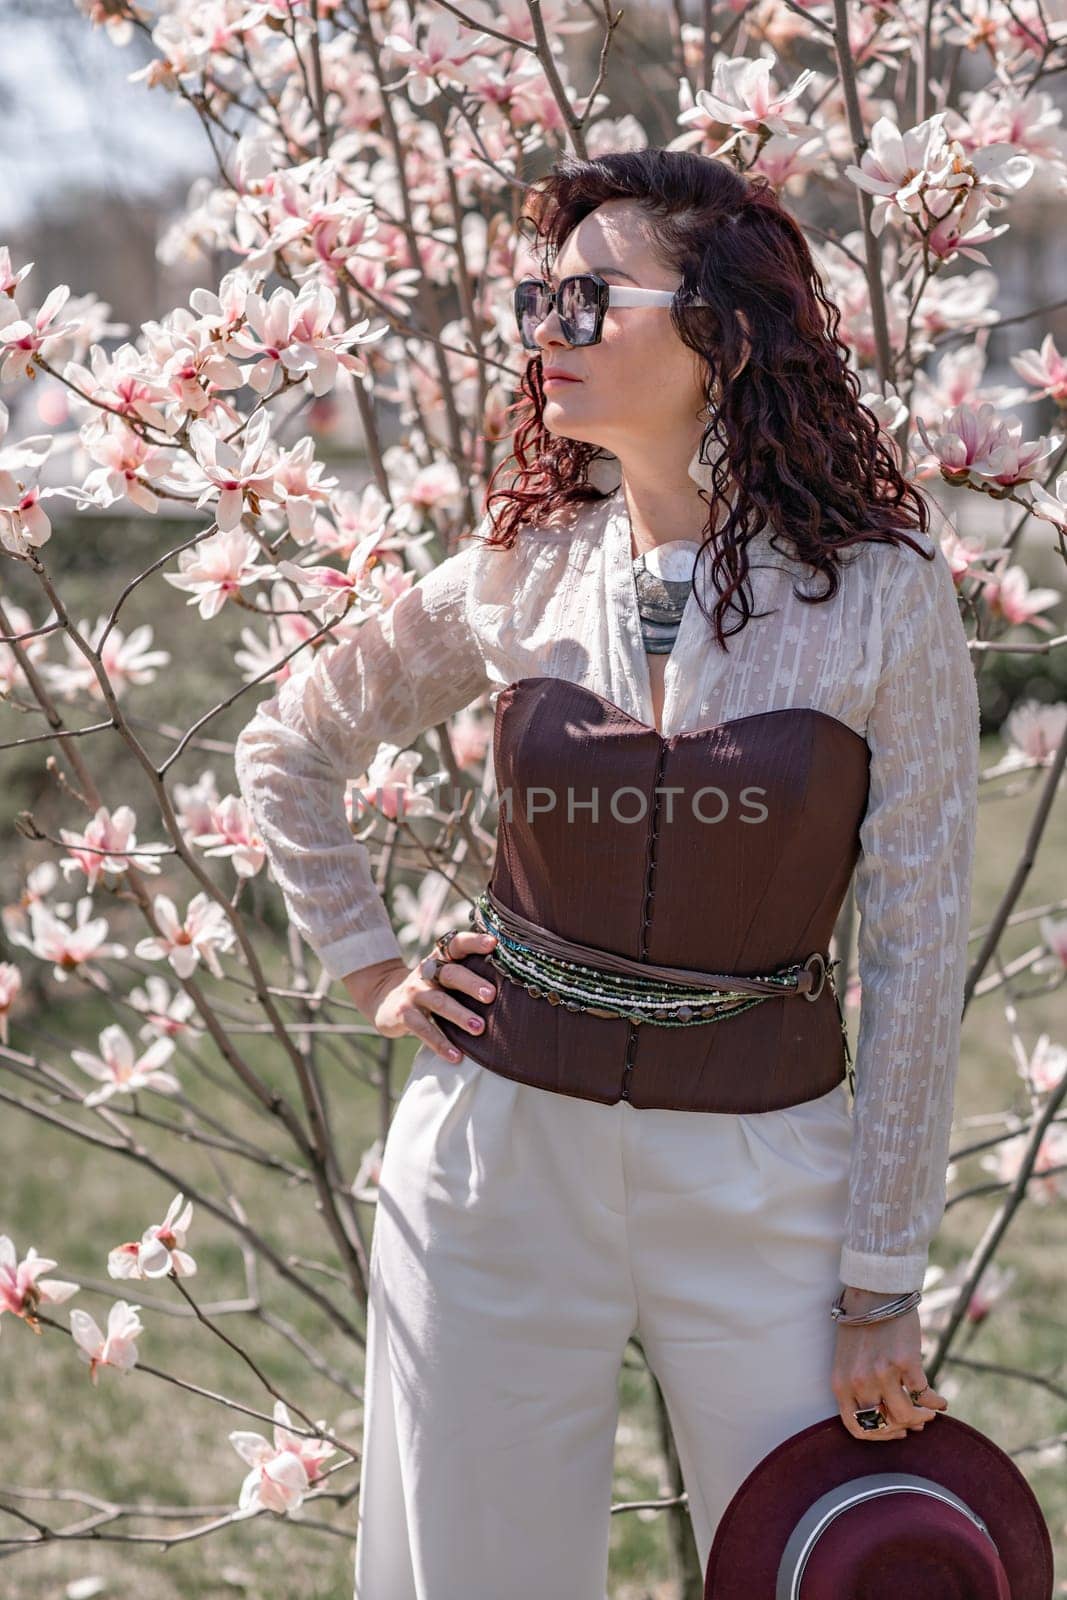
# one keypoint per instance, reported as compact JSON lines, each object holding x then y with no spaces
{"x":400,"y":1000}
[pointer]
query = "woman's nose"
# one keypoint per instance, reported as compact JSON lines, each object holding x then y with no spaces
{"x":549,"y":330}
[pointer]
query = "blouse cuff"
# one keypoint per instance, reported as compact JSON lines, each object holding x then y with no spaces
{"x":893,"y":1274}
{"x":358,"y":950}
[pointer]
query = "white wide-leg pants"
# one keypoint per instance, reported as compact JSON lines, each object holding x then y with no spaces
{"x":521,"y":1237}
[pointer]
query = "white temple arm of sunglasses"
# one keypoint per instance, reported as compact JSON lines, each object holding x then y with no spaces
{"x":618,"y":296}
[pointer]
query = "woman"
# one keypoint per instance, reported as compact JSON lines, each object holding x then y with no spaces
{"x":569,"y":1167}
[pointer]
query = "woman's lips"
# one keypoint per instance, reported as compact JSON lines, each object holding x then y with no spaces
{"x":561,"y":380}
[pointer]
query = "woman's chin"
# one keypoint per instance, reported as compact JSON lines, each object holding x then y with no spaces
{"x":562,"y":429}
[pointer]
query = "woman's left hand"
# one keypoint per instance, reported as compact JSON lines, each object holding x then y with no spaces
{"x":879,"y":1362}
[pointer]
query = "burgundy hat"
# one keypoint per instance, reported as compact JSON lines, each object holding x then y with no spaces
{"x":942,"y":1514}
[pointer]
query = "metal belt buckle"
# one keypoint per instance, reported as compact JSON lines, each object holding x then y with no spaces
{"x":813,"y":994}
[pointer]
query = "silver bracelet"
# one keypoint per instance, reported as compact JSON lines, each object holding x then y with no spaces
{"x":882,"y":1313}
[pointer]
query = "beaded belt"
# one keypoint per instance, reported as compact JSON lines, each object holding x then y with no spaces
{"x":560,"y":971}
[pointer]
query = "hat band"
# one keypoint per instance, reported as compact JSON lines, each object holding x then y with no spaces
{"x":819,"y":1515}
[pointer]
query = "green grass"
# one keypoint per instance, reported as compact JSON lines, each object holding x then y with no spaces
{"x":136,"y":1439}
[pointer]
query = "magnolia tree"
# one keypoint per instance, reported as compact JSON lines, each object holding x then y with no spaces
{"x":368,"y":173}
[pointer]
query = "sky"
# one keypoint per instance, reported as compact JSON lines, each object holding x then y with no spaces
{"x":68,"y":114}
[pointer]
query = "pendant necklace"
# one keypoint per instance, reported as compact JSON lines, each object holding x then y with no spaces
{"x":663,"y":578}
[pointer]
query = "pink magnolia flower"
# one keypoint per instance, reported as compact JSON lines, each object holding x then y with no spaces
{"x":231,"y":832}
{"x":166,"y":1015}
{"x":10,"y":989}
{"x":418,"y":913}
{"x":225,"y":311}
{"x":976,"y":445}
{"x":25,"y":337}
{"x":990,"y":1289}
{"x":22,"y":1289}
{"x":1044,"y":1184}
{"x":386,"y":788}
{"x":941,"y":1290}
{"x":292,"y":336}
{"x":119,"y":28}
{"x":23,"y":522}
{"x":1010,"y":596}
{"x":744,"y":96}
{"x":889,"y":408}
{"x":965,"y":299}
{"x":1029,"y":122}
{"x":435,"y":50}
{"x":40,"y":881}
{"x":126,"y":463}
{"x":121,"y":1071}
{"x":284,"y":633}
{"x":962,"y":229}
{"x":105,"y":846}
{"x":217,"y":568}
{"x":419,"y":491}
{"x":194,"y":803}
{"x":471,"y":735}
{"x":355,"y":516}
{"x":118,"y":1348}
{"x":235,"y":473}
{"x":388,"y":580}
{"x":299,"y":483}
{"x":119,"y":382}
{"x":339,"y":245}
{"x":1045,"y":368}
{"x":9,"y":281}
{"x":159,"y":1250}
{"x":1046,"y":1068}
{"x":1054,"y":933}
{"x":851,"y":293}
{"x":920,"y":172}
{"x":282,"y":1472}
{"x":330,"y":590}
{"x":959,"y":379}
{"x":70,"y":949}
{"x":1008,"y":33}
{"x":205,"y":931}
{"x":193,"y":365}
{"x":872,"y":35}
{"x":962,"y":555}
{"x":1051,"y":508}
{"x":1034,"y":728}
{"x":126,"y":661}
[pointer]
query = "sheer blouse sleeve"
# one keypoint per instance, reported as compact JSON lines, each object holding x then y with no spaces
{"x":913,"y":891}
{"x":403,"y":670}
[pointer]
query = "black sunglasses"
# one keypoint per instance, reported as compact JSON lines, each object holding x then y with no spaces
{"x":581,"y":301}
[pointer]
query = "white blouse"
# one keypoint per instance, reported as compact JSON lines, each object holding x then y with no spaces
{"x":887,"y":655}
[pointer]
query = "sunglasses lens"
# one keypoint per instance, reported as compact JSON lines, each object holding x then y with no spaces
{"x":531,"y":309}
{"x":578,"y":310}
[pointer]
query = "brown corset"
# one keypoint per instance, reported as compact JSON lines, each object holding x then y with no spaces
{"x":739,"y":864}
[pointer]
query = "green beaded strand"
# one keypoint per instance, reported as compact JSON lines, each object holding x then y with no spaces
{"x":580,"y":988}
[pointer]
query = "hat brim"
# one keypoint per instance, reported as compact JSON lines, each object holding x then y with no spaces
{"x":755,"y":1526}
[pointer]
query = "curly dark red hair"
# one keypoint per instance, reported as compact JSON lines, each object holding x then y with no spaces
{"x":790,"y":431}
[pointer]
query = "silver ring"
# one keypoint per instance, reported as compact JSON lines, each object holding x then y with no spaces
{"x":871,"y":1418}
{"x":442,"y":942}
{"x":439,"y":955}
